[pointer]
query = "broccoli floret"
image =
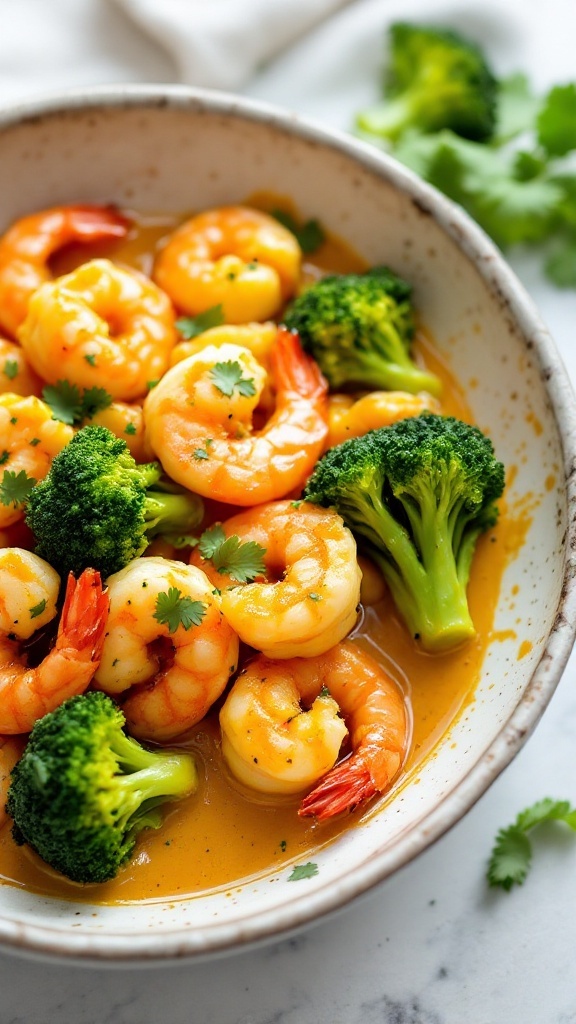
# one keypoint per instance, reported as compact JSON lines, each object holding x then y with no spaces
{"x":83,"y":789}
{"x":97,"y":507}
{"x":358,"y":328}
{"x":435,"y":79}
{"x":417,"y":495}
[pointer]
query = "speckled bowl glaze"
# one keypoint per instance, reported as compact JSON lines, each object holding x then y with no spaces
{"x":173,"y":149}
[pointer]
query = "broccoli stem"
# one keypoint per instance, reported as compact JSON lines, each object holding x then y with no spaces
{"x":168,"y":514}
{"x":389,"y":120}
{"x":385,"y":375}
{"x":428,"y":590}
{"x":151,"y":778}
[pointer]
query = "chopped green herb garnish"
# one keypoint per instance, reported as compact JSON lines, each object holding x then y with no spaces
{"x":309,"y":235}
{"x":200,"y":453}
{"x":191,"y":326}
{"x":15,"y":487}
{"x":314,"y":596}
{"x":174,"y":610}
{"x":91,"y":359}
{"x":11,"y":369}
{"x":4,"y":457}
{"x":303,"y":871}
{"x":37,"y":609}
{"x":130,"y":428}
{"x":228,"y":376}
{"x":243,"y":561}
{"x":34,"y":441}
{"x":72,"y":406}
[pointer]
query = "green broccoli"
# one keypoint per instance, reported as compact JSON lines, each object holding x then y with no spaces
{"x":417,"y":495}
{"x":83,"y":789}
{"x":436,"y":79}
{"x":97,"y":507}
{"x":358,"y":328}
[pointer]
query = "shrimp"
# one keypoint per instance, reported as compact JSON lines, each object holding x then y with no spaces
{"x":178,"y":662}
{"x":27,"y":246}
{"x":126,"y":420}
{"x":308,"y":602}
{"x":27,"y":694}
{"x":200,"y":427}
{"x":29,"y":439}
{"x":235,"y":257}
{"x":100,"y":326}
{"x":16,"y":374}
{"x":281,"y":730}
{"x":348,"y":417}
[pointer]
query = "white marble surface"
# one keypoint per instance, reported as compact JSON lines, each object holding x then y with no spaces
{"x":432,"y":945}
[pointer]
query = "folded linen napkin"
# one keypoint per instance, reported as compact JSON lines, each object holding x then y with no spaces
{"x":220,"y":44}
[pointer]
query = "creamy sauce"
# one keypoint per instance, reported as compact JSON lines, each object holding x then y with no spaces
{"x":222,"y":834}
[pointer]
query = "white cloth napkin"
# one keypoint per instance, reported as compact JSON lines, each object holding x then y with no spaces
{"x":220,"y":44}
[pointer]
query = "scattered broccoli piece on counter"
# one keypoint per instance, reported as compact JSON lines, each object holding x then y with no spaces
{"x":435,"y":79}
{"x":83,"y":789}
{"x":417,"y":495}
{"x":97,"y":507}
{"x":359,"y":328}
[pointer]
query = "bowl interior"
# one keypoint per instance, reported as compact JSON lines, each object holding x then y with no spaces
{"x":178,"y":151}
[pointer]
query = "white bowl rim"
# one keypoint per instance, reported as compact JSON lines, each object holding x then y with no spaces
{"x":478,"y":248}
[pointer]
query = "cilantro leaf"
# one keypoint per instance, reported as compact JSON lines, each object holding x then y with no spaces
{"x":516,"y":109}
{"x":512,"y":852}
{"x":310,"y":235}
{"x":65,"y":401}
{"x":556,"y":122}
{"x":37,"y":609}
{"x":242,"y":561}
{"x":560,"y":266}
{"x":227,"y":376}
{"x":303,"y":871}
{"x":174,"y":610}
{"x":11,"y":369}
{"x":93,"y":400}
{"x":191,"y":326}
{"x":15,"y":487}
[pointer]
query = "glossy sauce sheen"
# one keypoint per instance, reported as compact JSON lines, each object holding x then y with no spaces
{"x":222,"y":835}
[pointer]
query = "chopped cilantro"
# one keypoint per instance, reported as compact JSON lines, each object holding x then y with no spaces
{"x":200,"y":453}
{"x":314,"y":596}
{"x":37,"y":609}
{"x":91,"y":359}
{"x":72,"y":406}
{"x":34,"y":441}
{"x":174,"y":610}
{"x":4,"y":457}
{"x":309,"y":235}
{"x":512,"y":853}
{"x":227,"y":376}
{"x":11,"y":369}
{"x":192,"y":326}
{"x":242,"y":561}
{"x":93,"y":401}
{"x":303,"y":871}
{"x":15,"y":487}
{"x":130,"y":428}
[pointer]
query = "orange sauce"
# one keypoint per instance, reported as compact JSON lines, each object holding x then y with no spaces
{"x":222,"y":834}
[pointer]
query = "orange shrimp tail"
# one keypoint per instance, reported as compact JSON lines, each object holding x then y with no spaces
{"x":94,"y":223}
{"x":84,"y":614}
{"x":342,"y":789}
{"x":294,"y":370}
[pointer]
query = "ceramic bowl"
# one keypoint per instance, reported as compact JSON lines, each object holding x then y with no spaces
{"x":174,"y":149}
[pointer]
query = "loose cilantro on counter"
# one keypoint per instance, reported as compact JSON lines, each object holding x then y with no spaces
{"x":518,"y":181}
{"x":512,"y":853}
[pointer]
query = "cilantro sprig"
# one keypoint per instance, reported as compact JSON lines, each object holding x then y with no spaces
{"x":227,"y":377}
{"x":310,"y":235}
{"x":243,"y":561}
{"x":512,"y":853}
{"x":191,"y":326}
{"x":15,"y":487}
{"x":520,"y":185}
{"x":71,"y":405}
{"x":174,"y":610}
{"x":301,"y":871}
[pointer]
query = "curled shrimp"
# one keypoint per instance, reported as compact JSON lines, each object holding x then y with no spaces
{"x":26,"y":694}
{"x":16,"y":374}
{"x":201,"y":429}
{"x":177,"y":667}
{"x":29,"y":439}
{"x":126,"y":420}
{"x":308,"y":602}
{"x":282,"y":730}
{"x":349,"y":417}
{"x":100,"y":326}
{"x":26,"y":248}
{"x":235,"y":257}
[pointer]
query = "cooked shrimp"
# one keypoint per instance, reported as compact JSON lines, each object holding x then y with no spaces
{"x":27,"y":694}
{"x":29,"y":440}
{"x":281,"y":730}
{"x":16,"y":374}
{"x":27,"y":246}
{"x":11,"y":750}
{"x":348,"y":417}
{"x":179,"y":665}
{"x":100,"y":326}
{"x":234,"y":257}
{"x":200,"y":427}
{"x":309,"y":600}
